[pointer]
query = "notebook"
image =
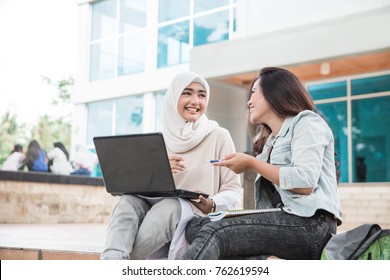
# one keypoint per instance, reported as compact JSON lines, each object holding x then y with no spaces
{"x":138,"y":164}
{"x":216,"y":216}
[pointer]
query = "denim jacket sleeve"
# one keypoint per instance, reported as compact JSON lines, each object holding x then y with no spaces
{"x":300,"y":151}
{"x":304,"y":152}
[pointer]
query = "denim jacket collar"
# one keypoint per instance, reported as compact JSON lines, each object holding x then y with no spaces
{"x":285,"y":127}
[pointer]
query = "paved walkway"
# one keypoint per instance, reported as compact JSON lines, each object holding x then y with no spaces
{"x":88,"y":238}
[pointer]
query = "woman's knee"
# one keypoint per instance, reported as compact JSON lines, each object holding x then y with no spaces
{"x":132,"y":199}
{"x":134,"y":202}
{"x":129,"y":205}
{"x":162,"y":218}
{"x":167,"y":211}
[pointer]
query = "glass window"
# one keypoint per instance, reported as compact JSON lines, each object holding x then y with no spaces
{"x":329,"y":90}
{"x":211,"y":28}
{"x":173,"y":44}
{"x":131,"y":57}
{"x":336,"y":116}
{"x":204,"y":5}
{"x":132,"y":15}
{"x":371,"y":139}
{"x":172,"y":9}
{"x":129,"y":115}
{"x":370,"y":85}
{"x":103,"y":19}
{"x":159,"y":103}
{"x":102,"y":64}
{"x":99,"y":119}
{"x":234,"y":19}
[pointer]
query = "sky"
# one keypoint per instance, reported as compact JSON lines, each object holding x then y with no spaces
{"x":37,"y":38}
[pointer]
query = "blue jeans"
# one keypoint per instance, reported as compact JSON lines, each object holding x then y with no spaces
{"x":280,"y":234}
{"x":82,"y":171}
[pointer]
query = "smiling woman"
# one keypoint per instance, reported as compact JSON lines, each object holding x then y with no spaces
{"x":144,"y":227}
{"x":192,"y":102}
{"x":295,"y":174}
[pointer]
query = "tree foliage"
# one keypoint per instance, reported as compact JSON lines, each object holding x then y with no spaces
{"x":48,"y":130}
{"x":11,"y":133}
{"x":63,"y":89}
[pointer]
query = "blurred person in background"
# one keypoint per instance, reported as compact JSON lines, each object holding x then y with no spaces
{"x":84,"y":161}
{"x":60,"y":160}
{"x":36,"y":158}
{"x":14,"y":161}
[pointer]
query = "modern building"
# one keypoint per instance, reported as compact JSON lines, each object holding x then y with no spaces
{"x":129,"y":51}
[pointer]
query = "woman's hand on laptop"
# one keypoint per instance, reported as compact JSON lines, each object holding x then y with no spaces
{"x":206,"y":205}
{"x":176,"y":164}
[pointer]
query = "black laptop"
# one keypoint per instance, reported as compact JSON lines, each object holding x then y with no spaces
{"x":138,"y":164}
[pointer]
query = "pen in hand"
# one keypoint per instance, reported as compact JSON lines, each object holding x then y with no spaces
{"x":214,"y":160}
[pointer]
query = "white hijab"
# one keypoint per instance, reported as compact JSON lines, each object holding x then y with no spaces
{"x":179,"y":135}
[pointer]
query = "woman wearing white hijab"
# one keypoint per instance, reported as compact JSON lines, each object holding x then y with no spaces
{"x":144,"y":228}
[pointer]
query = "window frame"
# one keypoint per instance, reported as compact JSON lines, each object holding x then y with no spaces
{"x":349,"y":98}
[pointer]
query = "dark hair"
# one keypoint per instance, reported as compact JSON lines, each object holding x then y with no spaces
{"x":285,"y":95}
{"x":62,"y":148}
{"x":17,"y":148}
{"x":32,"y":153}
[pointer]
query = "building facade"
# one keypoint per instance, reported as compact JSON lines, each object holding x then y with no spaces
{"x":129,"y":51}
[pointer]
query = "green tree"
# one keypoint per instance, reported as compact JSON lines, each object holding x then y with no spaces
{"x":56,"y":129}
{"x":48,"y":130}
{"x":63,"y":89}
{"x":11,"y":133}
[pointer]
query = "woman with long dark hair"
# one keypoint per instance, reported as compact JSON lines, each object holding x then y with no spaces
{"x":296,"y":178}
{"x":59,"y":160}
{"x":36,"y":159}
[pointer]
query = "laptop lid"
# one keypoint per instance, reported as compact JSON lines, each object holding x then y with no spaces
{"x":137,"y":164}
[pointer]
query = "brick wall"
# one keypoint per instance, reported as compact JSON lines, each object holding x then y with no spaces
{"x":365,"y":204}
{"x":35,"y":202}
{"x":360,"y":204}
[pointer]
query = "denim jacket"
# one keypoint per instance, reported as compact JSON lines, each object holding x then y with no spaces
{"x":304,"y":152}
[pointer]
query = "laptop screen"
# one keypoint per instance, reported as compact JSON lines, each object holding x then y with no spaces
{"x":134,"y":163}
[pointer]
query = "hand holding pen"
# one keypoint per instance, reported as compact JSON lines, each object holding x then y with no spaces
{"x":237,"y":162}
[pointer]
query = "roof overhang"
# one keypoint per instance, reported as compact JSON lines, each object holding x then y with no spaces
{"x":349,"y":44}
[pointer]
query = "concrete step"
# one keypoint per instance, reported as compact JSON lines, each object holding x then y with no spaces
{"x":36,"y":254}
{"x":60,"y":241}
{"x":51,"y":241}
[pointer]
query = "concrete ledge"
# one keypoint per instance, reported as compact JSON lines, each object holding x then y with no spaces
{"x":47,"y":177}
{"x":51,"y":241}
{"x":33,"y":254}
{"x":18,"y":254}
